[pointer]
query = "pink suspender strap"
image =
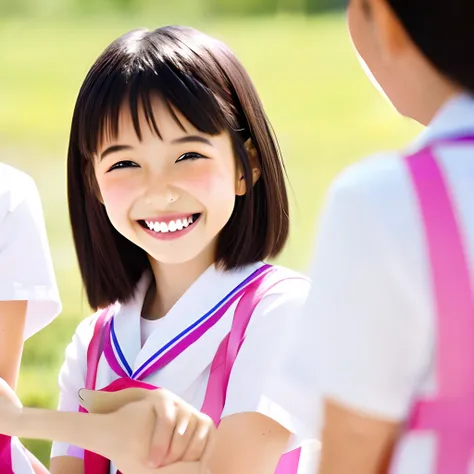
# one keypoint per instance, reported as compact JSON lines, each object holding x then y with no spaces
{"x":95,"y":348}
{"x":226,"y":354}
{"x":94,"y":352}
{"x":214,"y":400}
{"x":6,"y":465}
{"x":451,"y":413}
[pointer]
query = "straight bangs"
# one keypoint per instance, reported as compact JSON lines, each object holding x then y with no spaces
{"x":135,"y":71}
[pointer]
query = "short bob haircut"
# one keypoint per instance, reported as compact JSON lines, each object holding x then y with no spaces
{"x":200,"y":77}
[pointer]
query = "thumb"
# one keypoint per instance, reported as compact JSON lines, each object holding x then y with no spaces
{"x":95,"y":401}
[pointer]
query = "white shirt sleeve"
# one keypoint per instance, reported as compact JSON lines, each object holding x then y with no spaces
{"x":263,"y":340}
{"x":366,"y":334}
{"x":72,"y":378}
{"x":26,"y":270}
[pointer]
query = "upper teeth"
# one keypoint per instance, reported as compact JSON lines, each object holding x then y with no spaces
{"x":171,"y":226}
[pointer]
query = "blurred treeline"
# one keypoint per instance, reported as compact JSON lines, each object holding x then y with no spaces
{"x":201,"y":8}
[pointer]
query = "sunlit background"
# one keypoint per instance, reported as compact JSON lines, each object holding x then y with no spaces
{"x":325,"y":113}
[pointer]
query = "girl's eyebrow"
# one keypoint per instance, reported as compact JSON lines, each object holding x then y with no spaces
{"x":114,"y":149}
{"x":185,"y":139}
{"x":192,"y":138}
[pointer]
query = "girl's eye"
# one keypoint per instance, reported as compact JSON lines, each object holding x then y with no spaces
{"x":190,"y":156}
{"x":123,"y":164}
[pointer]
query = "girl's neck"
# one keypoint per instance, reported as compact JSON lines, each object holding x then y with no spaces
{"x":430,"y":90}
{"x":171,"y":281}
{"x":435,"y":105}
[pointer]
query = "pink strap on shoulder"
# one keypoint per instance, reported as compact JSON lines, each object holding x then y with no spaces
{"x":94,"y":351}
{"x":451,"y":413}
{"x":226,"y":354}
{"x":95,"y":348}
{"x":214,"y":400}
{"x":450,"y":273}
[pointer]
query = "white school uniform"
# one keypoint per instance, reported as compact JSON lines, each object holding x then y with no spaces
{"x":366,"y":337}
{"x":26,"y":270}
{"x":187,"y":375}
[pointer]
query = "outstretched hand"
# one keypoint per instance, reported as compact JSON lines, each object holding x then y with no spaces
{"x":178,"y":436}
{"x":143,"y":432}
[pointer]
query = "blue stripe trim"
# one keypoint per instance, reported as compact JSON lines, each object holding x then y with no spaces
{"x":118,"y":349}
{"x":199,"y":321}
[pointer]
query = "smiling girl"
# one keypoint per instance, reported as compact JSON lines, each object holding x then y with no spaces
{"x":177,"y":195}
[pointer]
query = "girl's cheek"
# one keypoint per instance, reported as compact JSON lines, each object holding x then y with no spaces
{"x":115,"y":195}
{"x":207,"y":182}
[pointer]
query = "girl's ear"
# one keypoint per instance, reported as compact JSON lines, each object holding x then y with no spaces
{"x":241,"y":188}
{"x":391,"y":36}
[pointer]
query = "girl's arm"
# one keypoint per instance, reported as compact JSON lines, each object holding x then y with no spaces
{"x":28,"y":293}
{"x":250,"y":443}
{"x":101,"y":433}
{"x":366,"y":442}
{"x":245,"y":442}
{"x":12,"y":325}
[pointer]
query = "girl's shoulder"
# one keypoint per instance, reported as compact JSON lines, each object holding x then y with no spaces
{"x":281,"y":278}
{"x":379,"y":174}
{"x":9,"y":173}
{"x":85,"y":329}
{"x":15,"y":187}
{"x":284,"y":286}
{"x":375,"y":191}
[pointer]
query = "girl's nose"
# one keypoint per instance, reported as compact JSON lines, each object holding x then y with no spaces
{"x":172,"y":197}
{"x":163,"y":199}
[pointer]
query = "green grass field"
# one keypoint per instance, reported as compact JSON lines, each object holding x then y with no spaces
{"x":325,"y":112}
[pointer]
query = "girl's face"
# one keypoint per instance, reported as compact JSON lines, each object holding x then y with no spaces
{"x":171,"y":196}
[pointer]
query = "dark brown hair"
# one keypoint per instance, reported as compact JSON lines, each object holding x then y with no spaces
{"x":443,"y":31}
{"x":200,"y":77}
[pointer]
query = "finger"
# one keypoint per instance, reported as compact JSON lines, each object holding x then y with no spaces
{"x":197,"y":445}
{"x":182,"y":436}
{"x":95,"y":401}
{"x":211,"y":435}
{"x":165,"y":422}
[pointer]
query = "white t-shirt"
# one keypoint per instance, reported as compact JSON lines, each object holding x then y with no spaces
{"x":26,"y":269}
{"x":187,"y":375}
{"x":367,"y":334}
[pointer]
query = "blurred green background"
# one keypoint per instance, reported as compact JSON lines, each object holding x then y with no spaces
{"x":325,"y":112}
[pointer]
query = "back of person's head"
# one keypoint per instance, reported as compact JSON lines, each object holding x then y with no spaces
{"x":443,"y":30}
{"x":416,"y":50}
{"x":201,"y":79}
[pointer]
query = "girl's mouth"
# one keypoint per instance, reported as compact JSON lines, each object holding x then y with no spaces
{"x":165,"y":226}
